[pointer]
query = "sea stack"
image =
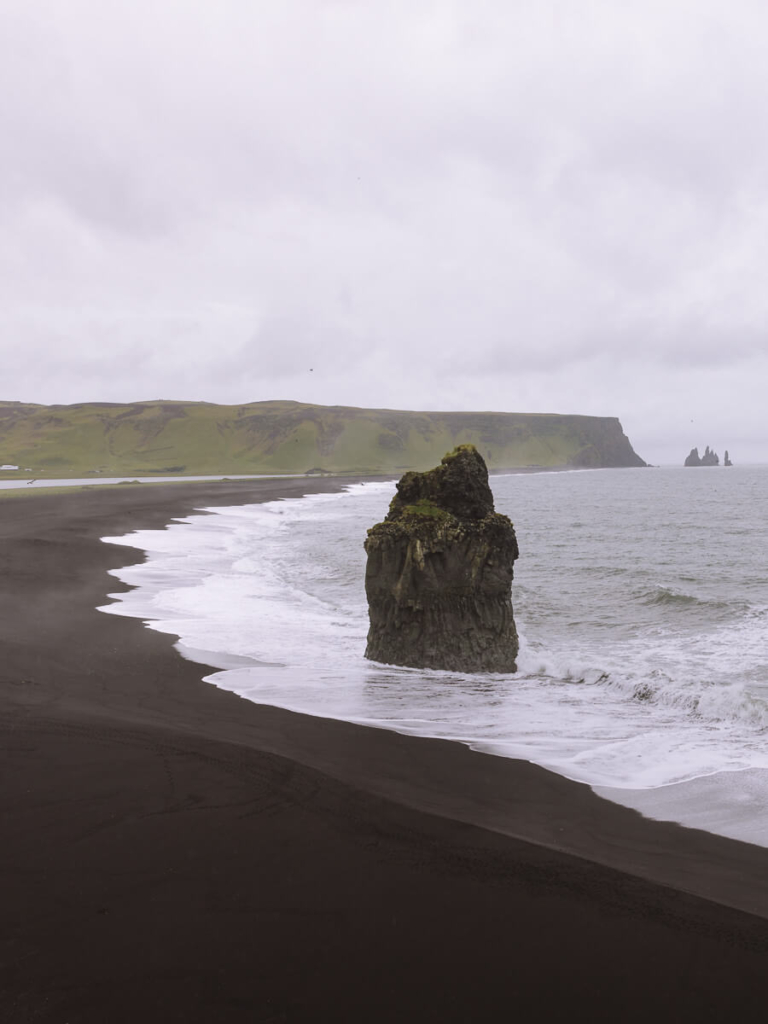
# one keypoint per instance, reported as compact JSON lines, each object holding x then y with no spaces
{"x":693,"y":458}
{"x":709,"y":458}
{"x":439,"y":573}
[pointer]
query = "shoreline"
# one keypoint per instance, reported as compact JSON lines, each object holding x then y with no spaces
{"x":729,"y":802}
{"x":18,"y":482}
{"x":174,"y":852}
{"x":718,"y":806}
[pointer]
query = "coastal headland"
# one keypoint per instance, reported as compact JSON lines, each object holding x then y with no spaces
{"x":201,"y":438}
{"x":173,"y":853}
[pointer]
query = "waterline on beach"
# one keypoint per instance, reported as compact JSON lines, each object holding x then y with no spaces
{"x":642,"y":663}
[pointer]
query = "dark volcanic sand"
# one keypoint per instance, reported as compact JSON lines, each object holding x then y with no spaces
{"x":170,"y":852}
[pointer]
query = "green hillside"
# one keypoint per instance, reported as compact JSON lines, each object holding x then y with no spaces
{"x":199,"y":438}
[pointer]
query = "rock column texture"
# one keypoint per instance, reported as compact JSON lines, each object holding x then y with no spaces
{"x":439,"y":573}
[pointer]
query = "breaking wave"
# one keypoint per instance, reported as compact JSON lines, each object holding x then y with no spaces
{"x":666,"y":685}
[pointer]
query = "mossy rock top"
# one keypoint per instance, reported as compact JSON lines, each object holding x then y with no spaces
{"x":457,"y":487}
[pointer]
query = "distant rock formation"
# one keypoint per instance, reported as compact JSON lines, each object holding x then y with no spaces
{"x":439,"y":573}
{"x":727,"y":459}
{"x":709,"y":458}
{"x":693,"y":458}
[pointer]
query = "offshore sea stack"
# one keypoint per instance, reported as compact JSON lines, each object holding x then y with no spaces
{"x":709,"y":458}
{"x":439,"y":573}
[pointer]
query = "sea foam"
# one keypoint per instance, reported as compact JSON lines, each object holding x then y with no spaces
{"x":619,"y":684}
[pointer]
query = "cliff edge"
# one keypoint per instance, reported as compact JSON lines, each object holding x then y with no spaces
{"x":175,"y":438}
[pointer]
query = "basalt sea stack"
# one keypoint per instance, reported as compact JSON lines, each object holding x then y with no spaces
{"x":439,"y":573}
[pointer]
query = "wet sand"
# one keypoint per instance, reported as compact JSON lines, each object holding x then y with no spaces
{"x":171,"y":852}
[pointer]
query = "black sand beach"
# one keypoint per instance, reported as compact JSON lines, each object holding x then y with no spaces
{"x":173,"y":853}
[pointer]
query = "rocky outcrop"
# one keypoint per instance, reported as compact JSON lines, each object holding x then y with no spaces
{"x":439,"y":573}
{"x":693,"y":458}
{"x":727,"y":459}
{"x":709,"y":458}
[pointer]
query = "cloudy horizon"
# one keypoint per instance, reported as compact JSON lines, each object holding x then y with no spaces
{"x":524,"y":207}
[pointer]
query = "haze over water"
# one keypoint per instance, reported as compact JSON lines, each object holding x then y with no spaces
{"x":641,"y":598}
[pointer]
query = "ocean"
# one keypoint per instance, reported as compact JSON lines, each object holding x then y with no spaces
{"x":640,"y":596}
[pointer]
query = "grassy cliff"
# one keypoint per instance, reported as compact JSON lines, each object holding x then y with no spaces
{"x":168,"y":438}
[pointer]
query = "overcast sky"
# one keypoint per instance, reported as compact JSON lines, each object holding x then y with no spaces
{"x":516,"y":205}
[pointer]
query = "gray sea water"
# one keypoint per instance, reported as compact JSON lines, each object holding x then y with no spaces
{"x":641,"y":598}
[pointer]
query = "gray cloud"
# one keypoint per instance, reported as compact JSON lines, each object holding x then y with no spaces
{"x":540,"y":206}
